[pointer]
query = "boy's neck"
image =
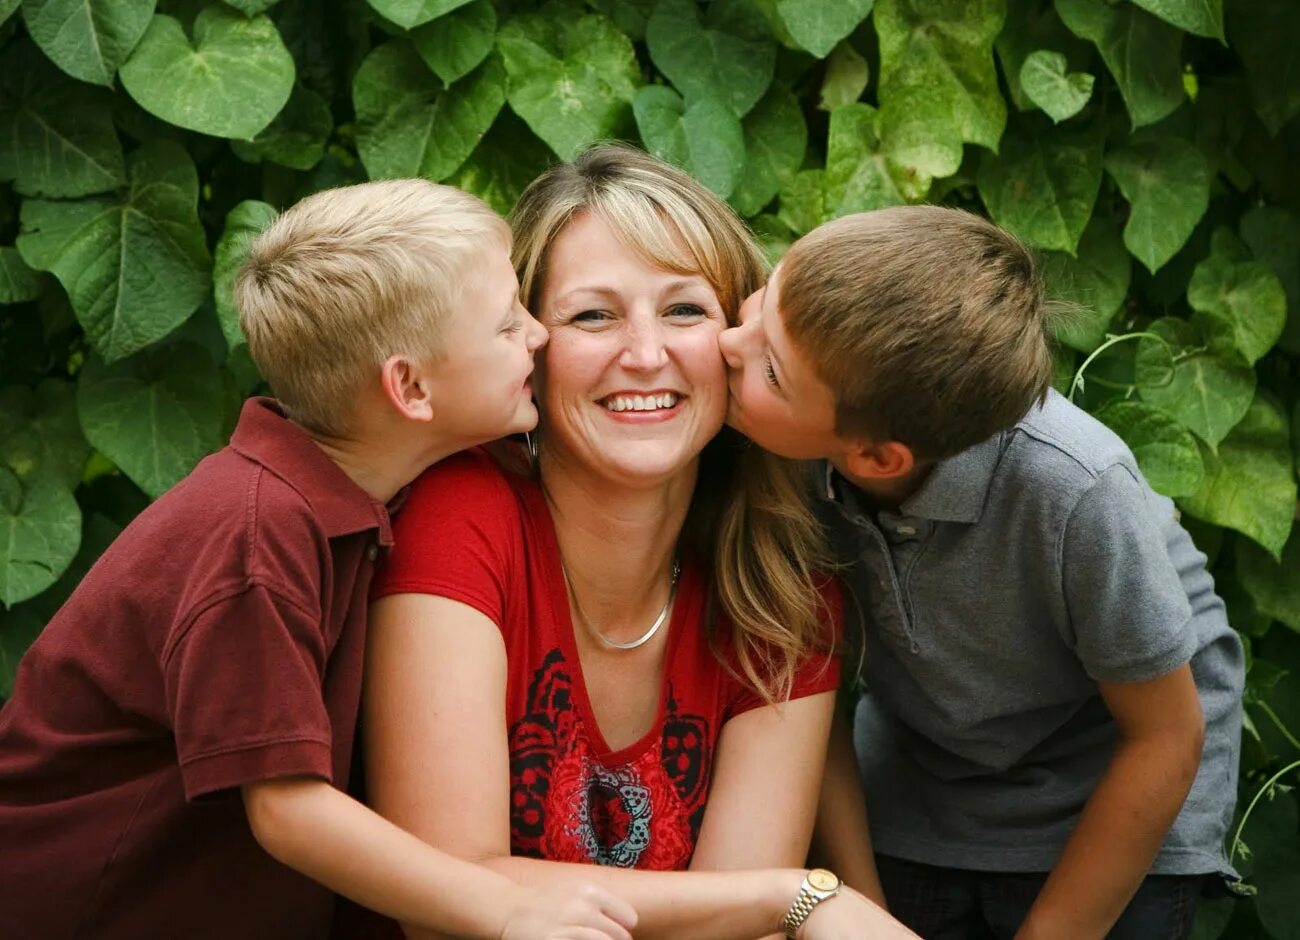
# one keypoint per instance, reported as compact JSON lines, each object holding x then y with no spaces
{"x":886,"y":492}
{"x":382,"y":465}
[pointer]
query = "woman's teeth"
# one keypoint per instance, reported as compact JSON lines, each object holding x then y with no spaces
{"x":640,"y":402}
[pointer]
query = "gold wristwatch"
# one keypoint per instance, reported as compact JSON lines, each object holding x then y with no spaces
{"x":818,"y":885}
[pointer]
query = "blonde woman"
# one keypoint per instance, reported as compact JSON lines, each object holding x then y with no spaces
{"x":620,"y":653}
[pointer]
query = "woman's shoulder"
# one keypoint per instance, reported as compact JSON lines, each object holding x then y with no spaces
{"x":477,"y":484}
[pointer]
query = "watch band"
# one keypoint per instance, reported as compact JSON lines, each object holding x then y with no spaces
{"x":809,"y":896}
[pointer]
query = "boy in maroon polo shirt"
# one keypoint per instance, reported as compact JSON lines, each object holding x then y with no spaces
{"x":215,"y":650}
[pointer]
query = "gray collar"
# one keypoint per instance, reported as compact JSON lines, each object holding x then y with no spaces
{"x":955,"y":490}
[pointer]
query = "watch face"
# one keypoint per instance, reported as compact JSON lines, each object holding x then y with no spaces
{"x":823,"y":880}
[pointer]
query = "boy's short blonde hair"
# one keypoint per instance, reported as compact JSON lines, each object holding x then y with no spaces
{"x":347,"y":278}
{"x":928,"y":324}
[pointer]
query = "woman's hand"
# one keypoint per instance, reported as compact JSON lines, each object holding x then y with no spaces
{"x":576,"y":911}
{"x":850,"y":916}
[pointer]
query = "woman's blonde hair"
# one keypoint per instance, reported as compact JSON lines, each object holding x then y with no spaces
{"x":749,"y":513}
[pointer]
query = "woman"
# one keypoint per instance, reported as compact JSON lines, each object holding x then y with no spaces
{"x":565,"y":663}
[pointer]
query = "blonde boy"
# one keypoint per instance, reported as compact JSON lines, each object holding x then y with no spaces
{"x":1048,"y":740}
{"x":173,"y":758}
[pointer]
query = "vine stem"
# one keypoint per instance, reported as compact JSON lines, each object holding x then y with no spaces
{"x":1279,"y":724}
{"x":1077,"y":381}
{"x":1236,"y":836}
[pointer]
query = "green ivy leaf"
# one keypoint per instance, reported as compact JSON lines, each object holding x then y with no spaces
{"x":155,"y":415}
{"x":1030,"y":27}
{"x":847,"y":74}
{"x":1272,"y":584}
{"x":407,"y":125}
{"x":1202,"y":17}
{"x":297,"y":136}
{"x":1166,"y":452}
{"x":1243,"y":300}
{"x":571,"y":80}
{"x":859,"y":176}
{"x":1264,"y":36}
{"x":251,"y":7}
{"x":630,"y":16}
{"x":1208,"y":394}
{"x":40,"y":436}
{"x":938,"y":84}
{"x":456,"y":44}
{"x":243,"y":223}
{"x":817,"y":25}
{"x":19,"y":629}
{"x":509,"y":158}
{"x":776,"y":138}
{"x":230,"y":82}
{"x":411,"y":13}
{"x":1167,"y":183}
{"x":1273,"y":236}
{"x":803,"y":201}
{"x":7,"y":8}
{"x":88,"y":39}
{"x":1046,"y":81}
{"x":1096,"y":281}
{"x":704,"y":138}
{"x":1043,"y":184}
{"x":135,"y":265}
{"x":40,"y":529}
{"x":1142,"y":53}
{"x":56,"y":135}
{"x":730,"y":55}
{"x":1250,"y":484}
{"x":18,"y":282}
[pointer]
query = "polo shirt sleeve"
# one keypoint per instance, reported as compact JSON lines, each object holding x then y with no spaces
{"x":243,"y":685}
{"x":1128,"y":612}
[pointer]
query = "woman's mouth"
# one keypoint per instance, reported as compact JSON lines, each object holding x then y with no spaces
{"x":655,"y":401}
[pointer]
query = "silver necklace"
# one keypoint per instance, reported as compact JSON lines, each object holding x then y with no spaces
{"x":643,"y":638}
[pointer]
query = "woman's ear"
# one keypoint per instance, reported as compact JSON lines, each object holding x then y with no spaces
{"x":407,"y":388}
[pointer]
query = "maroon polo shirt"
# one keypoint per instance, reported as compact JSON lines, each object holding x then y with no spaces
{"x":217,"y":642}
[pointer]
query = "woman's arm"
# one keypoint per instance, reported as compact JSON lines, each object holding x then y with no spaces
{"x":842,"y":838}
{"x":438,"y":765}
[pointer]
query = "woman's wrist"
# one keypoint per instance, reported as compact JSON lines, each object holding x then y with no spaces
{"x":781,"y":894}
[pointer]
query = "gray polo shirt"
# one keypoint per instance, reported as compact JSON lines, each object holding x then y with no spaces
{"x":1023,"y":571}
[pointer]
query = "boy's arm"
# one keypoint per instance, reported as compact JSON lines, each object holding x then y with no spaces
{"x":1161,"y":730}
{"x":842,"y":838}
{"x":310,"y":826}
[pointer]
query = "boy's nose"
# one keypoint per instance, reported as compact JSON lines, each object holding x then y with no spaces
{"x":729,"y":341}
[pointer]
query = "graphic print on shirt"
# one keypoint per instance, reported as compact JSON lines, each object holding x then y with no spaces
{"x":566,"y":805}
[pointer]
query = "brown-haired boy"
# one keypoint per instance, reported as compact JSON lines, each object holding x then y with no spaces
{"x":173,"y":757}
{"x":1048,"y":740}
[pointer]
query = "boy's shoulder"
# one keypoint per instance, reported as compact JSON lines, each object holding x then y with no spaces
{"x":1059,"y":446}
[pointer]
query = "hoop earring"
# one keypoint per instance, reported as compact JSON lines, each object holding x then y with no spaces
{"x":531,"y":440}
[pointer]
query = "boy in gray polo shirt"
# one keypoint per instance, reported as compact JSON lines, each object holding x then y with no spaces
{"x":1049,"y":737}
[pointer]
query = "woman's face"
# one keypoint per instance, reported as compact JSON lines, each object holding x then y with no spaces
{"x":632,"y":384}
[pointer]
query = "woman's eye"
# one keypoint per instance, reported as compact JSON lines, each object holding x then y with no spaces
{"x":768,"y":372}
{"x":686,"y":310}
{"x":589,"y":316}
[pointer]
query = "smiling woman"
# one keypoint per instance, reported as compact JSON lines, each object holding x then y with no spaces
{"x":623,"y":654}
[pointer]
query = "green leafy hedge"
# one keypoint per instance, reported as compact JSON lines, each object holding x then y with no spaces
{"x":1149,"y":149}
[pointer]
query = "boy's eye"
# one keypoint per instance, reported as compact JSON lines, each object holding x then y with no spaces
{"x":768,"y":372}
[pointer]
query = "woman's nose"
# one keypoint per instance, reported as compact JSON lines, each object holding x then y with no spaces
{"x":644,"y":349}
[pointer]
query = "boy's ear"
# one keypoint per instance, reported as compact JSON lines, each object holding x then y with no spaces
{"x":871,"y":460}
{"x":407,"y":388}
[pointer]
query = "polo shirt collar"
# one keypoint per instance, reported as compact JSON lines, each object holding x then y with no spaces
{"x":954,"y":491}
{"x":265,"y":436}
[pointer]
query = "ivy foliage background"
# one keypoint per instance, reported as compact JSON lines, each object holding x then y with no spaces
{"x":1149,"y":149}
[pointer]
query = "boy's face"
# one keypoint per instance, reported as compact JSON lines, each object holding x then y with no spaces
{"x":482,"y":388}
{"x":777,"y":400}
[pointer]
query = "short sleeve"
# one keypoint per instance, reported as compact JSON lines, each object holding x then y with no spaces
{"x":1129,"y":614}
{"x":243,"y":685}
{"x":818,"y":672}
{"x":455,"y":536}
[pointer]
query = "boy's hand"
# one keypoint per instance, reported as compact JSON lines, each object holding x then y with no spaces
{"x":579,"y":911}
{"x":850,"y":916}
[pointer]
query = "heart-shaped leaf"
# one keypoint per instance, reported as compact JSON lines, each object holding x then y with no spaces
{"x":1250,"y":484}
{"x":88,"y":39}
{"x":40,"y":435}
{"x":18,"y":282}
{"x":155,"y":415}
{"x":297,"y":136}
{"x":56,"y":135}
{"x":135,"y":265}
{"x":1166,"y":452}
{"x":1202,"y":17}
{"x":572,"y":79}
{"x":230,"y":82}
{"x":411,"y":13}
{"x":243,"y":223}
{"x":817,"y":25}
{"x":729,"y":55}
{"x":1095,"y":281}
{"x":1167,"y":183}
{"x":847,"y":74}
{"x":776,"y":138}
{"x":1044,"y":183}
{"x":1030,"y":27}
{"x":1243,"y":301}
{"x":454,"y":45}
{"x":704,"y":138}
{"x":1048,"y":83}
{"x":407,"y":125}
{"x":40,"y":529}
{"x":859,"y":176}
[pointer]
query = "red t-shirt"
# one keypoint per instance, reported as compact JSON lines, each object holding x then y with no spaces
{"x":475,"y":533}
{"x":217,"y":642}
